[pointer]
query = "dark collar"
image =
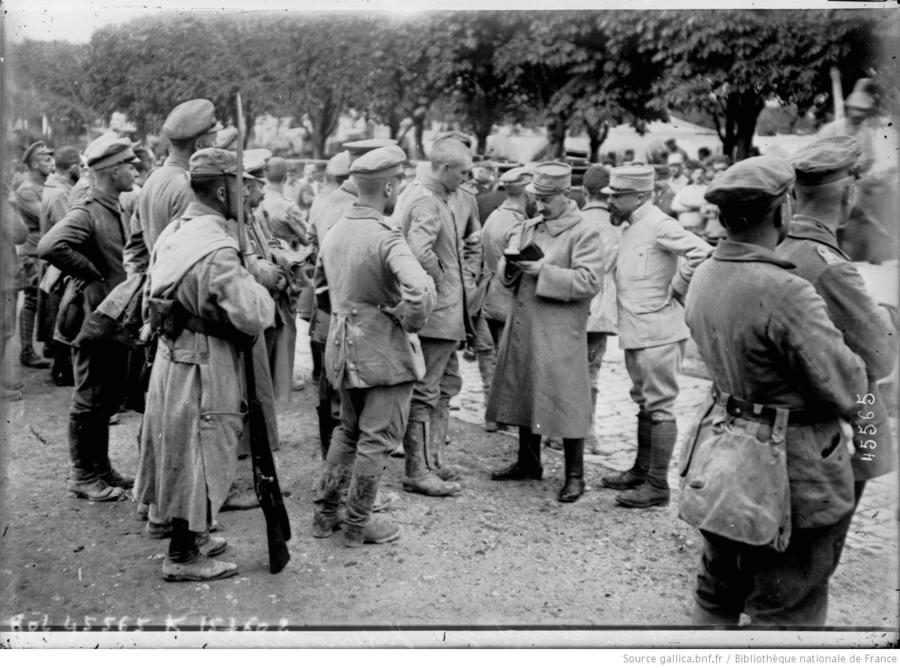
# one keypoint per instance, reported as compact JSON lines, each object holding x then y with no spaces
{"x":805,"y":227}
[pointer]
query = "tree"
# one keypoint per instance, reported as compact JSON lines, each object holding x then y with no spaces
{"x":730,"y":63}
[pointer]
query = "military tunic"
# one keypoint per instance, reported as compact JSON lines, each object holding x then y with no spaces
{"x":495,"y":237}
{"x":866,"y":327}
{"x":195,"y":416}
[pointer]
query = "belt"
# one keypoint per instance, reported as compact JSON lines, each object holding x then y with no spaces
{"x":762,"y":413}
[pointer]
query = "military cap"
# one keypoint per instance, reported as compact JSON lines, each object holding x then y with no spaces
{"x":827,"y":159}
{"x":214,"y":162}
{"x":550,"y":178}
{"x":104,"y":152}
{"x":36,"y":149}
{"x":66,"y":156}
{"x":380,"y":163}
{"x":226,"y":139}
{"x":339,"y":165}
{"x":363,"y":146}
{"x":255,"y":161}
{"x":859,"y":99}
{"x":517,"y":176}
{"x":752,"y":180}
{"x":596,"y":178}
{"x":630,"y":179}
{"x":191,"y":119}
{"x":458,"y":136}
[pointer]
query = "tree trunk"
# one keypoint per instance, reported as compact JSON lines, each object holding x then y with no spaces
{"x":742,"y":110}
{"x":597,"y":133}
{"x":556,"y":135}
{"x":393,"y":123}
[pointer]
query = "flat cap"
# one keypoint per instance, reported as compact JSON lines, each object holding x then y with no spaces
{"x":214,"y":162}
{"x":363,"y":146}
{"x":630,"y":179}
{"x":827,"y":159}
{"x":339,"y":165}
{"x":226,"y":139}
{"x":517,"y":176}
{"x":550,"y":178}
{"x":255,"y":160}
{"x":752,"y":180}
{"x":105,"y":152}
{"x":35,"y":149}
{"x":381,"y":163}
{"x":66,"y":156}
{"x":191,"y":119}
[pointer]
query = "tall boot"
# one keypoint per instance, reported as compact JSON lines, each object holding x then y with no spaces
{"x":419,"y":478}
{"x":436,"y":438}
{"x":328,"y":497}
{"x":487,"y":360}
{"x":326,"y":427}
{"x":528,"y":462}
{"x":104,"y":467}
{"x":654,"y":491}
{"x":636,"y":475}
{"x":574,"y":486}
{"x":84,"y":480}
{"x":318,"y":351}
{"x":361,"y":527}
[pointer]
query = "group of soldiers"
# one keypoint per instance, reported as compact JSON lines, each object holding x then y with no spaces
{"x":403,"y":273}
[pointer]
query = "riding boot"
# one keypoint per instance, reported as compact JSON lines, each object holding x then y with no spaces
{"x":419,"y":478}
{"x":574,"y":486}
{"x":104,"y":468}
{"x":435,"y":441}
{"x":528,"y":461}
{"x":360,"y":526}
{"x":654,"y":491}
{"x":84,"y":479}
{"x":636,"y":475}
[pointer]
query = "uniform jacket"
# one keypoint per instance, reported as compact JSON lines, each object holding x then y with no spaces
{"x":194,"y":415}
{"x":604,"y":314}
{"x":13,"y":232}
{"x":434,"y":237}
{"x":648,"y":271}
{"x":331,"y":211}
{"x":541,"y":378}
{"x":465,"y":212}
{"x":364,"y":265}
{"x":54,"y":201}
{"x":867,"y":328}
{"x":284,"y":218}
{"x":495,"y":237}
{"x":27,"y":199}
{"x":164,"y":197}
{"x":87,"y":245}
{"x":766,"y":338}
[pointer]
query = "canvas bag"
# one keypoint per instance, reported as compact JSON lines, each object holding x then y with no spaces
{"x":733,"y":484}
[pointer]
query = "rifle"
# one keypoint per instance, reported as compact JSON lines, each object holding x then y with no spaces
{"x":265,"y":478}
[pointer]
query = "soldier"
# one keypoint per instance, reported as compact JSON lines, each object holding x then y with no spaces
{"x":284,"y":218}
{"x":769,"y":345}
{"x":825,"y":195}
{"x":27,"y":202}
{"x":208,"y":308}
{"x":433,"y":234}
{"x":54,"y":205}
{"x":166,"y":193}
{"x":379,"y":296}
{"x":87,"y":246}
{"x":650,"y":286}
{"x":541,"y":381}
{"x":495,"y":236}
{"x":603,"y":319}
{"x":12,"y":232}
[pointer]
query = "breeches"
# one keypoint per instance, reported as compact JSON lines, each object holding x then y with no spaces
{"x":654,"y":378}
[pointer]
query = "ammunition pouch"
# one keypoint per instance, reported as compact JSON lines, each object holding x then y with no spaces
{"x":170,"y":318}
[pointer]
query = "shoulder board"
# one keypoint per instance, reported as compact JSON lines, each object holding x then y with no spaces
{"x":828,"y":255}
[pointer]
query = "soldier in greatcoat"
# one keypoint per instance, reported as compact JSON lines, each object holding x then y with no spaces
{"x":195,"y":411}
{"x":541,"y":379}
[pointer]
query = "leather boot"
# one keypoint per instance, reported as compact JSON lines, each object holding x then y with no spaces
{"x":419,"y":478}
{"x":328,"y":498}
{"x":574,"y":486}
{"x":655,"y":489}
{"x":528,"y":462}
{"x":436,"y":437}
{"x":636,"y":475}
{"x":326,"y":426}
{"x":360,"y":526}
{"x":84,"y":481}
{"x":104,"y":467}
{"x":486,"y":362}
